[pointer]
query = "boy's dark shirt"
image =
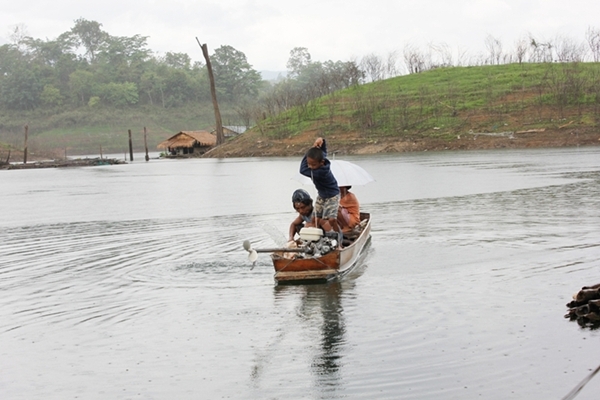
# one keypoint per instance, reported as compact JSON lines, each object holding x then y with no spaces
{"x":322,"y":177}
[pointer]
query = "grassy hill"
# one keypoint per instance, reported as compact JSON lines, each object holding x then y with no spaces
{"x":516,"y":105}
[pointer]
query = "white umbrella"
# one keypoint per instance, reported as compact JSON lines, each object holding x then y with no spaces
{"x":345,"y":172}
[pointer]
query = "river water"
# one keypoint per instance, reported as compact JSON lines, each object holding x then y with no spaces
{"x":130,"y":281}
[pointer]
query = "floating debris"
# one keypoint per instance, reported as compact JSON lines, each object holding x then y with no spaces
{"x":585,"y":307}
{"x":80,"y":162}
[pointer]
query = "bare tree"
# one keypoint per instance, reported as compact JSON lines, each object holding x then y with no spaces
{"x":414,"y":60}
{"x":494,"y":47}
{"x":592,"y":36}
{"x":567,"y":50}
{"x":461,"y":58}
{"x":521,"y":47}
{"x":441,"y":55}
{"x":17,"y":36}
{"x":391,"y":68}
{"x":373,"y":66}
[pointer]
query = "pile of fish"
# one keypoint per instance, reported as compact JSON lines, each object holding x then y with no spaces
{"x":319,"y":248}
{"x":585,"y":307}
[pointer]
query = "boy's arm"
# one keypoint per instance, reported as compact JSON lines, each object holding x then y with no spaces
{"x":292,"y":232}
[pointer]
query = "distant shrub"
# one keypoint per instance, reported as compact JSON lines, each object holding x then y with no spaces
{"x":51,"y":96}
{"x":94,"y":101}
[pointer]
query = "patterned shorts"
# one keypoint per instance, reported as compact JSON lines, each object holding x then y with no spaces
{"x":327,"y":208}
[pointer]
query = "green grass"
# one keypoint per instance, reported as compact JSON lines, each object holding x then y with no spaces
{"x":445,"y":101}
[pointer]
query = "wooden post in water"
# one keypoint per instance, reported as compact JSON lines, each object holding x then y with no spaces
{"x":101,"y":152}
{"x":25,"y":148}
{"x":146,"y":144}
{"x":213,"y":93}
{"x":130,"y":146}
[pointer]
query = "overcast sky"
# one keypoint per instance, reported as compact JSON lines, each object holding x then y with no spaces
{"x":266,"y":30}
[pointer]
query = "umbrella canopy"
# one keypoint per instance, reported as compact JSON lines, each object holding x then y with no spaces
{"x":345,"y":172}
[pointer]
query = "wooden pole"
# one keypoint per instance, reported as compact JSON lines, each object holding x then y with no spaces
{"x":25,"y":149}
{"x":101,"y":152}
{"x":130,"y":146}
{"x":146,"y":144}
{"x":213,"y":93}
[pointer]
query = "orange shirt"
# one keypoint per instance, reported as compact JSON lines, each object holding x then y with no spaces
{"x":350,"y":203}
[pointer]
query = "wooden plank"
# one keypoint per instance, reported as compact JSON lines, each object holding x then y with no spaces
{"x":304,"y":275}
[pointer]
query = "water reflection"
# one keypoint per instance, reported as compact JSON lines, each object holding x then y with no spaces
{"x":328,"y":360}
{"x":320,"y":314}
{"x":320,"y":310}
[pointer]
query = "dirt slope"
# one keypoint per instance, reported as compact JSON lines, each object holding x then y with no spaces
{"x":252,"y":144}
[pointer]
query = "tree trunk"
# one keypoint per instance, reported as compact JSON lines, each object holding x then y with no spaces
{"x":213,"y":93}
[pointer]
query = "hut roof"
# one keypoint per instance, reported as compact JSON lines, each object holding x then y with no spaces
{"x":189,"y":139}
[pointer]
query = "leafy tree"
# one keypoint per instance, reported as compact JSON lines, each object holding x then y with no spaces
{"x":10,"y":59}
{"x":153,"y":85}
{"x":122,"y":59}
{"x":89,"y":35}
{"x":177,"y":60}
{"x":51,"y":96}
{"x":82,"y":85}
{"x":234,"y":76}
{"x":20,"y":90}
{"x":179,"y":88}
{"x":298,"y":61}
{"x":168,"y":86}
{"x":53,"y":61}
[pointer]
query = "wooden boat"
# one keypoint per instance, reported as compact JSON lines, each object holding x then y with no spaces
{"x":294,"y":267}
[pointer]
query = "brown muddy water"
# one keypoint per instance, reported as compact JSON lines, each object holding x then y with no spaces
{"x":130,"y":281}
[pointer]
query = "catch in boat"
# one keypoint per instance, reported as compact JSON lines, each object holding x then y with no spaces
{"x":316,"y":258}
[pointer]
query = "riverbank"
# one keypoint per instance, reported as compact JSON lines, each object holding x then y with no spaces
{"x":252,"y":144}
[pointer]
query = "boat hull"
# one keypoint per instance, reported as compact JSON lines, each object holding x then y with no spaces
{"x":331,"y":266}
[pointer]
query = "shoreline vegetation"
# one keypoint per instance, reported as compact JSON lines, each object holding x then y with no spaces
{"x":511,"y":106}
